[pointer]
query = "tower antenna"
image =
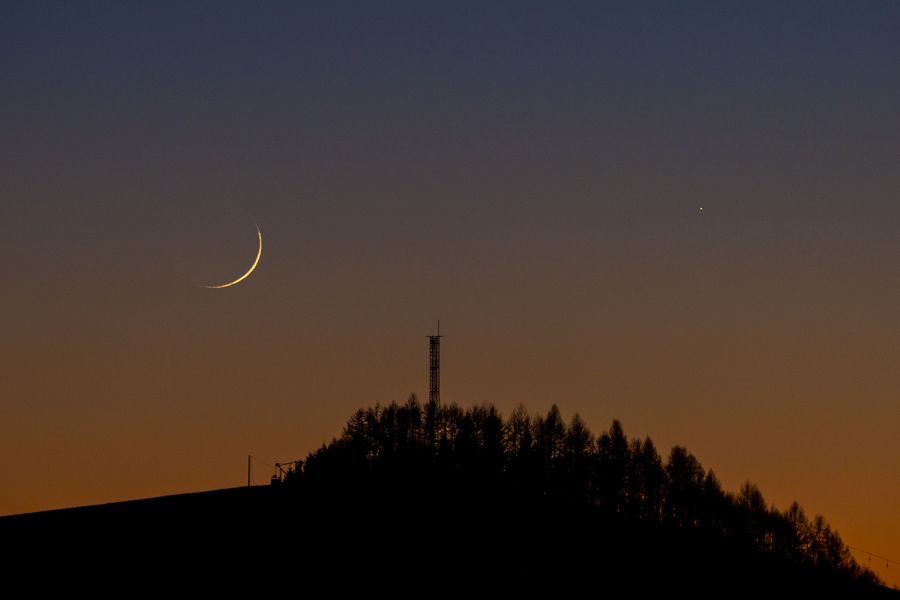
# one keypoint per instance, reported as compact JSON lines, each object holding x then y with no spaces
{"x":434,"y":366}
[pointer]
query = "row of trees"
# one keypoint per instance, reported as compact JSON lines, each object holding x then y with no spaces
{"x":547,"y":457}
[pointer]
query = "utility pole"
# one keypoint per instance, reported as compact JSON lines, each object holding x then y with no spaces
{"x":248,"y":470}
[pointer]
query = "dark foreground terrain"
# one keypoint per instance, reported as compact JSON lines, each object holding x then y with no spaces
{"x":435,"y":500}
{"x":413,"y":541}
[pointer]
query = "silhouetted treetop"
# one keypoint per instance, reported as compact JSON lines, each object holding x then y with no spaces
{"x":544,"y":457}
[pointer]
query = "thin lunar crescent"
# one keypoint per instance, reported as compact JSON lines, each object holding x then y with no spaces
{"x":245,"y":275}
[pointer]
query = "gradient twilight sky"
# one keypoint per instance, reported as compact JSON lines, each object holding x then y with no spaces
{"x":529,"y":173}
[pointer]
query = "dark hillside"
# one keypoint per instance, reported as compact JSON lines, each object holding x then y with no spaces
{"x":414,"y":496}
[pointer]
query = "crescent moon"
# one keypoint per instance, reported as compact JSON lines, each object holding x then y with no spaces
{"x":245,"y":275}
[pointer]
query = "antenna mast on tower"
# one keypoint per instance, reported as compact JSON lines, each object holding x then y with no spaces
{"x":434,"y":370}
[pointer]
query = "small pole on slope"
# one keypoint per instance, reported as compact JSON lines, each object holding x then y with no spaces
{"x":248,"y":470}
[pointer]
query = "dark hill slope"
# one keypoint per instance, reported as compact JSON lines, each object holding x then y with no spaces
{"x":432,"y":500}
{"x":452,"y":538}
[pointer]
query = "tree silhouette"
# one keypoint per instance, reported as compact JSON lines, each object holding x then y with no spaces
{"x":543,"y":458}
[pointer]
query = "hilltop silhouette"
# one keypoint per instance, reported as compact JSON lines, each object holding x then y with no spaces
{"x":433,"y":495}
